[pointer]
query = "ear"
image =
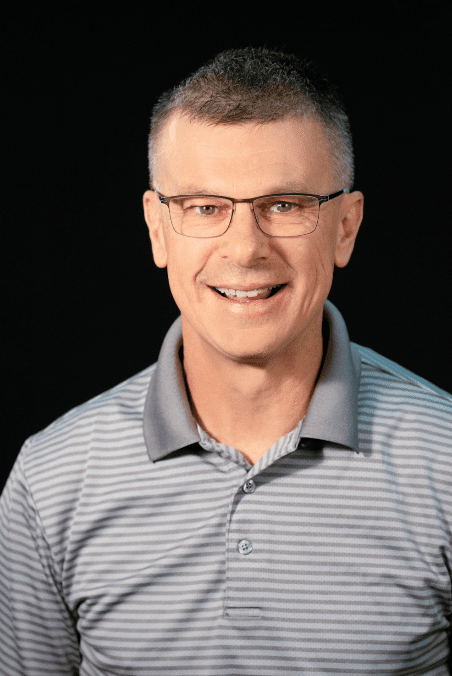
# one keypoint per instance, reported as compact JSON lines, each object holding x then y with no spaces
{"x":351,"y":216}
{"x":154,"y":220}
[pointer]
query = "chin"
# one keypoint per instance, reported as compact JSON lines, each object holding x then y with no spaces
{"x":248,"y":352}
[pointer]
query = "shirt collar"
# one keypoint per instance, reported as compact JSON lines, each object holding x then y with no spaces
{"x":332,"y":415}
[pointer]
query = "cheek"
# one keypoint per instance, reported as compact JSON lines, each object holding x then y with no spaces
{"x":177,"y":271}
{"x":325,"y":264}
{"x":317,"y":262}
{"x":325,"y":251}
{"x":185,"y":260}
{"x":316,"y":267}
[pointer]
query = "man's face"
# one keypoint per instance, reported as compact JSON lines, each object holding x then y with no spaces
{"x":244,"y":161}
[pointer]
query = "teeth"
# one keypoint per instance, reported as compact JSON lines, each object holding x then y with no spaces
{"x":242,"y":294}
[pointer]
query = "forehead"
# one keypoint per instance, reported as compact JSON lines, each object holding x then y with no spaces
{"x":242,"y":157}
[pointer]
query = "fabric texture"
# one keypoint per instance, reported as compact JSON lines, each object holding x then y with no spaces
{"x":133,"y":543}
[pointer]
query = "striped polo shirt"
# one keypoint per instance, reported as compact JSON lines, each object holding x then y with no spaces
{"x":133,"y":543}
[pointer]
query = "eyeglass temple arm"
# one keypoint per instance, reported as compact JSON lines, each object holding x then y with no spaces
{"x":327,"y":198}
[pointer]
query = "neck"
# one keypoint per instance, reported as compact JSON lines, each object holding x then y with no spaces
{"x":251,"y":406}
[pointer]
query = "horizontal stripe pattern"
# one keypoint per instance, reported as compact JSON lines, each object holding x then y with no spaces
{"x":112,"y":563}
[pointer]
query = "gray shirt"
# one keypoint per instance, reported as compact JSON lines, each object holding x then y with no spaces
{"x":133,"y":543}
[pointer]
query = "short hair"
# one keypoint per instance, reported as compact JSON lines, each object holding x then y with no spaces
{"x":261,"y":85}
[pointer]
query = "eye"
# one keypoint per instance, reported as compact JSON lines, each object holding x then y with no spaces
{"x":286,"y":204}
{"x":205,"y":206}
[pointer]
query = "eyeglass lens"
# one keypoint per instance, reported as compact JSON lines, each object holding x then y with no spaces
{"x":207,"y":216}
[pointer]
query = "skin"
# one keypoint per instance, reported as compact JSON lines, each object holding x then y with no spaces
{"x":250,"y":377}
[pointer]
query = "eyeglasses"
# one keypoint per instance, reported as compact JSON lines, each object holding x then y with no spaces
{"x":291,"y":215}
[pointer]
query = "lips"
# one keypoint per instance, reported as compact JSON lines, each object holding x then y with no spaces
{"x":249,"y":287}
{"x":258,"y":293}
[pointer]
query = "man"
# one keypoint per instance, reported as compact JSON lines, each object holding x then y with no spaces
{"x":268,"y":498}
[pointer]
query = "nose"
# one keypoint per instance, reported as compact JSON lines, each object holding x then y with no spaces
{"x":244,"y":241}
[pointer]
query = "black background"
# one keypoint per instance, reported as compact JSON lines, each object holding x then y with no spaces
{"x":84,"y":306}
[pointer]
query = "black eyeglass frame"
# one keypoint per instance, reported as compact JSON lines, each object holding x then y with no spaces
{"x":321,"y":199}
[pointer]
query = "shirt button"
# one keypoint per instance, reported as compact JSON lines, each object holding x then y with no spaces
{"x":249,"y":487}
{"x":245,"y":547}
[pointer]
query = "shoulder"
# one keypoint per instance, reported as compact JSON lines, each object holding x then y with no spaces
{"x":64,"y":446}
{"x":385,"y":372}
{"x":395,"y":402}
{"x":79,"y":462}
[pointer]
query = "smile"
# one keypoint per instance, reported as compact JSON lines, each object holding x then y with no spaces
{"x":265,"y":292}
{"x":255,"y":296}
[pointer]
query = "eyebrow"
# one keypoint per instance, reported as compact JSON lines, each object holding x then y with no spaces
{"x":274,"y":190}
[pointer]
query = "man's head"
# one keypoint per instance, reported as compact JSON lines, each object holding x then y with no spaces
{"x":250,"y":158}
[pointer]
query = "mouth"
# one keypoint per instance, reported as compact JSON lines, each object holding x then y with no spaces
{"x":255,"y":295}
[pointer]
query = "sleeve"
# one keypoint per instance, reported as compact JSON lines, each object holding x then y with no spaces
{"x":37,"y":631}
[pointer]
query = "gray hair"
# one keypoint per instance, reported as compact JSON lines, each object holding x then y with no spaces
{"x":260,"y":85}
